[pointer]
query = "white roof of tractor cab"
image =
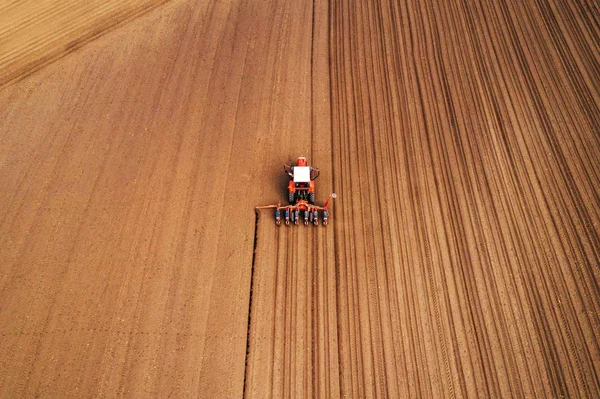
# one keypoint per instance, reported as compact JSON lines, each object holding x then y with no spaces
{"x":301,"y":174}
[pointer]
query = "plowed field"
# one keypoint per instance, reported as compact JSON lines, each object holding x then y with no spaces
{"x":462,"y":258}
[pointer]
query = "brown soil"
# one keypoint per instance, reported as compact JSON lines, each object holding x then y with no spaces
{"x":33,"y":33}
{"x":463,"y":253}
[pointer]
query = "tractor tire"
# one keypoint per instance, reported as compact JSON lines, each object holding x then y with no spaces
{"x":291,"y":198}
{"x":311,"y":198}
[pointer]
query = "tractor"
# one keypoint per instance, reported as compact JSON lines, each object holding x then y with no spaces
{"x":301,"y":197}
{"x":302,"y":183}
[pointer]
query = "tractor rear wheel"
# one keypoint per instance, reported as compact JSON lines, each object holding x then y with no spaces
{"x":291,"y":198}
{"x":311,"y":198}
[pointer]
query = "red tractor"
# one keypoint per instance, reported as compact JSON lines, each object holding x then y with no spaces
{"x":301,"y":196}
{"x":302,"y":184}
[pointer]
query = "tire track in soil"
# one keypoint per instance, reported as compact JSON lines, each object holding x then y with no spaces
{"x":534,"y":229}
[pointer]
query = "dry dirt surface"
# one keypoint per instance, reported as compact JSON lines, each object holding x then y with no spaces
{"x":33,"y":33}
{"x":462,"y":258}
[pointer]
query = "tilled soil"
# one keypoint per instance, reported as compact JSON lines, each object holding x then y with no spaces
{"x":34,"y":33}
{"x":462,"y":256}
